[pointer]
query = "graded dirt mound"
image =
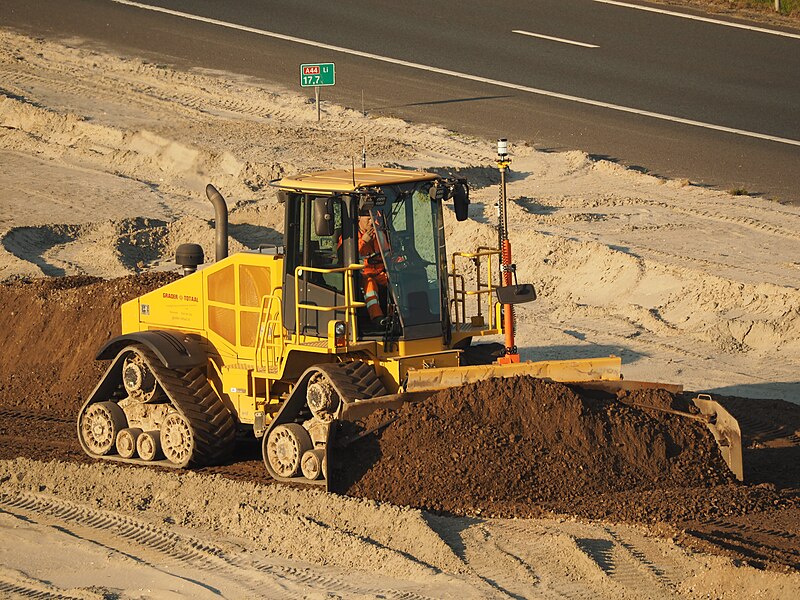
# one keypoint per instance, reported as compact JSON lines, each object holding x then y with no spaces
{"x":523,"y":446}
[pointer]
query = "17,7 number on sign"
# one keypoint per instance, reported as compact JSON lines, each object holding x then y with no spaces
{"x":312,"y":75}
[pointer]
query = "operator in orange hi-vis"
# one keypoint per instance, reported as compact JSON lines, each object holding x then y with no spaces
{"x":374,"y":272}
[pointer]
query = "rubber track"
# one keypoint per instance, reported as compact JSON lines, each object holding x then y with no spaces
{"x":192,"y":395}
{"x":353,"y":380}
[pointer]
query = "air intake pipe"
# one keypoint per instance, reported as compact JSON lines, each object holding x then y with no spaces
{"x":221,"y":218}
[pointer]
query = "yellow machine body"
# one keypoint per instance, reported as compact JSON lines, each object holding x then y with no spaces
{"x":275,"y":341}
{"x":235,"y":308}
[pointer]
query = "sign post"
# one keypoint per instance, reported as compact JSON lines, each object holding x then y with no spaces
{"x":316,"y":75}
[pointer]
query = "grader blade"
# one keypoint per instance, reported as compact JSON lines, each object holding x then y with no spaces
{"x":726,"y":431}
{"x":588,"y":369}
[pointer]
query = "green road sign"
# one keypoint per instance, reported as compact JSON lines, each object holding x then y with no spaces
{"x":312,"y":75}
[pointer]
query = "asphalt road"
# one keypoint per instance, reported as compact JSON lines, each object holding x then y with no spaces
{"x":680,"y":98}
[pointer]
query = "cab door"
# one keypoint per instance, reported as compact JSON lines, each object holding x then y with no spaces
{"x":308,"y":244}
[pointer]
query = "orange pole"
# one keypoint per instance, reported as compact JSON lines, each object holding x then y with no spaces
{"x":511,"y":355}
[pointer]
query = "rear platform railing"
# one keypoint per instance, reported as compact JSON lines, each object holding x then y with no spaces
{"x":481,"y":288}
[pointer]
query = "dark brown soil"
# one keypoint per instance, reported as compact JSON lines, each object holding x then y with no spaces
{"x":516,"y":446}
{"x":51,"y":330}
{"x":525,"y":447}
{"x":520,"y":447}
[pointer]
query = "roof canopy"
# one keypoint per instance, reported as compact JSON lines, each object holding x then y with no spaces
{"x":350,"y":180}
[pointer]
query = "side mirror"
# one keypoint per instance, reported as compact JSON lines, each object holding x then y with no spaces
{"x":461,"y":201}
{"x":323,"y":216}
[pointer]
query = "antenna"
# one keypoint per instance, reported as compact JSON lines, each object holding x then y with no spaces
{"x":354,"y":171}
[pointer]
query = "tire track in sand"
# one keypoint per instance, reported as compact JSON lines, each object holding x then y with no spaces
{"x":10,"y":589}
{"x":283,"y":581}
{"x":631,"y":563}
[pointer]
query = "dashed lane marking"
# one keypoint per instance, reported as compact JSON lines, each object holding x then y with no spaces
{"x":553,"y":39}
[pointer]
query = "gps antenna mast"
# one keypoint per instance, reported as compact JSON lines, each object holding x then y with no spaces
{"x":507,"y":268}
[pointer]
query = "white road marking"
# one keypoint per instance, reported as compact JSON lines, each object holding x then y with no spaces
{"x":554,"y":39}
{"x":467,"y":76}
{"x":672,"y":13}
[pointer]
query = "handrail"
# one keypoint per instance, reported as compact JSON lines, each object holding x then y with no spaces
{"x":349,"y":306}
{"x":477,"y":254}
{"x":460,"y":295}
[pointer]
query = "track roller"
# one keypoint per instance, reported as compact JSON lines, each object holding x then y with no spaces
{"x":284,"y":448}
{"x":148,"y":445}
{"x":313,"y":464}
{"x":126,"y":441}
{"x":177,"y":440}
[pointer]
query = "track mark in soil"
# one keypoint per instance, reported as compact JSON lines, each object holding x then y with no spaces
{"x":745,"y":222}
{"x":758,"y":222}
{"x":284,"y":582}
{"x":624,"y":567}
{"x":666,"y":572}
{"x":760,"y":545}
{"x":712,"y":266}
{"x":10,"y":589}
{"x":555,"y":580}
{"x":20,"y":414}
{"x":761,"y":430}
{"x":500,"y":567}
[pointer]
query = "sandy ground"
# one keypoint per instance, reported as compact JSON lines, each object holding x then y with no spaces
{"x":103,"y":162}
{"x":135,"y":533}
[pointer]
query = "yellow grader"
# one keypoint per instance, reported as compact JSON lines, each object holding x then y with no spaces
{"x":277,"y":343}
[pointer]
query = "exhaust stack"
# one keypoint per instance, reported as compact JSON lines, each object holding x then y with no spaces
{"x":221,"y":218}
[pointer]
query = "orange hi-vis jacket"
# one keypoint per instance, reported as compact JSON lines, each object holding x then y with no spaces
{"x":372,"y":275}
{"x":370,"y":253}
